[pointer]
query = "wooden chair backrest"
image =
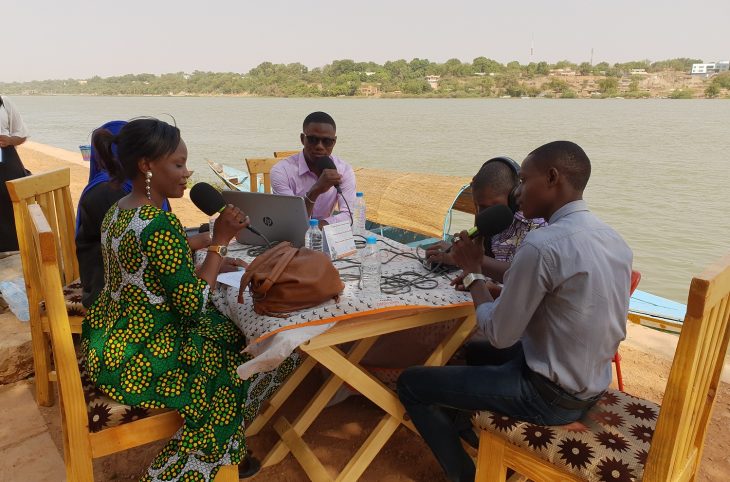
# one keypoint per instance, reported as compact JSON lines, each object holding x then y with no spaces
{"x":51,"y":191}
{"x":284,"y":154}
{"x":261,"y":166}
{"x":71,"y":394}
{"x":676,"y":448}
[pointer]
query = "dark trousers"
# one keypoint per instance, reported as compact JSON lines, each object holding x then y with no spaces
{"x":428,"y":394}
{"x":10,"y":168}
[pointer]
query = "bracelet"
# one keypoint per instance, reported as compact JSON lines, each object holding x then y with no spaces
{"x":306,"y":196}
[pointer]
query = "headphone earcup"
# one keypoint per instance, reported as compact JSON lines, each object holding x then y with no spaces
{"x":512,"y":201}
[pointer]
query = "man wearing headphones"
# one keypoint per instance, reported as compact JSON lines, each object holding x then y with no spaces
{"x":494,"y":184}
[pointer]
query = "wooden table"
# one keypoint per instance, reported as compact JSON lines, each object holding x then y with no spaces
{"x":323,"y":349}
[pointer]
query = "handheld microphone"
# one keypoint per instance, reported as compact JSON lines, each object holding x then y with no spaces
{"x":489,"y":222}
{"x":209,"y":200}
{"x":326,"y":162}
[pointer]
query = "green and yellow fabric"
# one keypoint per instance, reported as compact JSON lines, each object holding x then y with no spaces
{"x":152,"y":340}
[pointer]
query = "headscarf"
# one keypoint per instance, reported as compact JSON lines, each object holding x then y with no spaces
{"x":98,"y":175}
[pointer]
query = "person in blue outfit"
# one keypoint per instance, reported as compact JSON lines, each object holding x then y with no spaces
{"x":97,"y":197}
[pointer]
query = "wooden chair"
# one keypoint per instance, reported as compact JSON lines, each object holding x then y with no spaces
{"x":623,"y":437}
{"x":260,"y":166}
{"x":635,"y":279}
{"x":284,"y":154}
{"x":51,"y":191}
{"x":81,"y":446}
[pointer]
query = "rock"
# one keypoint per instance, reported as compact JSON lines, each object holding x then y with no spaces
{"x":16,"y":354}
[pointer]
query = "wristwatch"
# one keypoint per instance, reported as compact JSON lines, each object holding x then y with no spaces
{"x":471,"y":278}
{"x":221,"y":250}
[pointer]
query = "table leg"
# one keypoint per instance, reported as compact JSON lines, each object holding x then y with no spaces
{"x":318,"y":403}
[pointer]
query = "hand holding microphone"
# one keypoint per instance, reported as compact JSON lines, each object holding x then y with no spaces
{"x":329,"y":177}
{"x":231,"y":219}
{"x":468,"y":253}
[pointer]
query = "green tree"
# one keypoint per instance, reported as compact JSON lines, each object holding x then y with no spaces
{"x":712,"y":91}
{"x":608,"y":86}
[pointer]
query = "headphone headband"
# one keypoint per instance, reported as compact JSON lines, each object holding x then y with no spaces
{"x":511,"y":163}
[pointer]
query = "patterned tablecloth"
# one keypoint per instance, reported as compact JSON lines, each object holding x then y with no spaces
{"x":272,"y":339}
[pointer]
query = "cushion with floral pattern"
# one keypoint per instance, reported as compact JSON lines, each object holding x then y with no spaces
{"x":611,"y":443}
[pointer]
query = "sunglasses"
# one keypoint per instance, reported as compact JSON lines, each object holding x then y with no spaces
{"x":326,"y":141}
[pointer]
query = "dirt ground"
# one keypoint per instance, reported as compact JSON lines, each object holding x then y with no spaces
{"x":338,"y":433}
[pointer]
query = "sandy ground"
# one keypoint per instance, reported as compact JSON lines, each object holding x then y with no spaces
{"x":337,"y":434}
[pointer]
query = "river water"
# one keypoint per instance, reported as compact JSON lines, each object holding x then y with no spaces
{"x":660,"y":167}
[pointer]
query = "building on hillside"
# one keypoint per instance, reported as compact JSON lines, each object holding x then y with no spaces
{"x":563,"y":72}
{"x":710,"y":68}
{"x":638,"y":72}
{"x":433,"y":81}
{"x":369,"y":89}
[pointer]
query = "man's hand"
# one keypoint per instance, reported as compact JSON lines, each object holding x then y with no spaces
{"x":468,"y":253}
{"x":327,"y":179}
{"x":436,"y":254}
{"x":5,"y":141}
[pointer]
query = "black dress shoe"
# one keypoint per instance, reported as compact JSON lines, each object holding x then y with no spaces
{"x":248,"y":467}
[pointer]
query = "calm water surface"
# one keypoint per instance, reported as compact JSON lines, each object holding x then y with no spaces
{"x":660,"y":167}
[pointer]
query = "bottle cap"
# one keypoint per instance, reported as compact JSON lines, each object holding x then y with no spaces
{"x":358,"y":194}
{"x":371,"y":240}
{"x":313,"y":223}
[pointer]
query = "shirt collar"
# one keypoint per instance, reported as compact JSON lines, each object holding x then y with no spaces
{"x":569,"y":208}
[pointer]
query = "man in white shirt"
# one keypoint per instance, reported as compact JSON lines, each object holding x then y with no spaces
{"x":12,"y":133}
{"x":565,"y":296}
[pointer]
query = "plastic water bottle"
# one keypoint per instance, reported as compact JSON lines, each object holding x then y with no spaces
{"x":13,"y":291}
{"x":370,"y":268}
{"x":313,"y":237}
{"x":358,"y":220}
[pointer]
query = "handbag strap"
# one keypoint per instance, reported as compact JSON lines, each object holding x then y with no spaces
{"x":279,"y":267}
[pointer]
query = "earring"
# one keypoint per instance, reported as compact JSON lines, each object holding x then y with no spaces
{"x":148,"y":182}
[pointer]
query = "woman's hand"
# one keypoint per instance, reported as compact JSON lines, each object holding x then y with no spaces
{"x":232,"y":264}
{"x":229,"y":222}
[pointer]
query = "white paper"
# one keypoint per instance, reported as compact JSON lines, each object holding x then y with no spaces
{"x":232,"y":278}
{"x":339,"y":240}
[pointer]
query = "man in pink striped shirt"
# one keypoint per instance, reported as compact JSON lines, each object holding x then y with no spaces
{"x":299,"y":175}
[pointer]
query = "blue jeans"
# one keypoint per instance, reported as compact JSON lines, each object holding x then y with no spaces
{"x":427,"y":393}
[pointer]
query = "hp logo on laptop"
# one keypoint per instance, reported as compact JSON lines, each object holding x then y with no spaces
{"x":268,"y":221}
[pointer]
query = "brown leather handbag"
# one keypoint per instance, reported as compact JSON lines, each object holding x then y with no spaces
{"x":286,"y":279}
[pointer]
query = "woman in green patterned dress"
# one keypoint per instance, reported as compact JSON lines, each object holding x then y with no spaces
{"x":152,"y":339}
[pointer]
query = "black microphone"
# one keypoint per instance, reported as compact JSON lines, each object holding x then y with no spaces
{"x":489,"y":222}
{"x":326,"y":162}
{"x":209,"y":200}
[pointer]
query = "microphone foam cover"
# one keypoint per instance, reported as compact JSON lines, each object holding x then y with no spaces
{"x":493,"y":220}
{"x":325,"y":162}
{"x":207,"y":198}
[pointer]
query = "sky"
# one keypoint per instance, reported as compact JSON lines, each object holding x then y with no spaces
{"x":51,"y":39}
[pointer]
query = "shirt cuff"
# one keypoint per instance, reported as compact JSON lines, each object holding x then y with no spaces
{"x":339,"y":217}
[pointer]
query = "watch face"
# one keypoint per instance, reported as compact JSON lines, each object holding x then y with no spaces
{"x":223,"y":250}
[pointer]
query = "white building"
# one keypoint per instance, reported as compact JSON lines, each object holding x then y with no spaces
{"x":709,"y":69}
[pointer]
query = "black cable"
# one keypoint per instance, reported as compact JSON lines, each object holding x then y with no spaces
{"x":348,"y":208}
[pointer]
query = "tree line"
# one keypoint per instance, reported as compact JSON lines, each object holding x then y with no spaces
{"x":483,"y":77}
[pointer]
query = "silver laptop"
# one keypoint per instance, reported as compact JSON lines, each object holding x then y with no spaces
{"x":278,"y":217}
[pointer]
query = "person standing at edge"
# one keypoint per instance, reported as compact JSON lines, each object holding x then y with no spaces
{"x":299,"y":175}
{"x":561,"y":278}
{"x":12,"y":133}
